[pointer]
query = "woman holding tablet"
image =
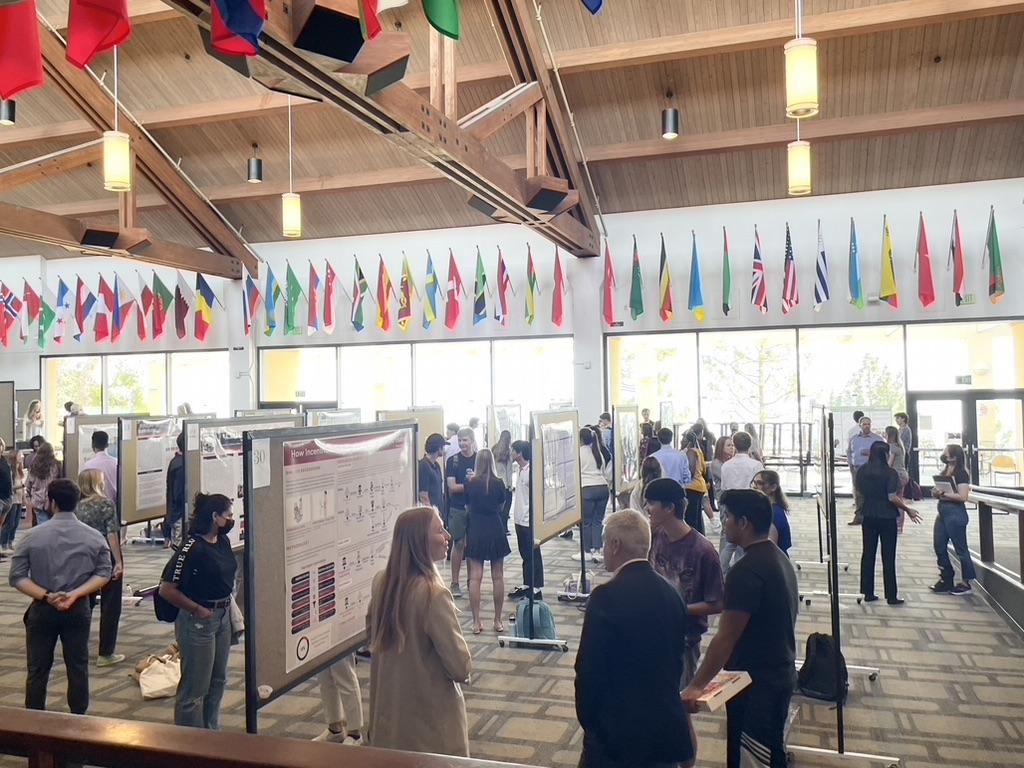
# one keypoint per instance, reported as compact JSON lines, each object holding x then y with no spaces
{"x":951,"y":522}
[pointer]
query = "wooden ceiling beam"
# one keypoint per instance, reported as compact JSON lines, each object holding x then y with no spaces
{"x":830,"y":129}
{"x":51,"y":165}
{"x":96,"y":104}
{"x":139,"y":11}
{"x":501,"y":110}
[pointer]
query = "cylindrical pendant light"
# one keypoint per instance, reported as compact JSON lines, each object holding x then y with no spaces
{"x":255,"y":175}
{"x":291,"y":203}
{"x":798,"y":164}
{"x":670,"y":123}
{"x":117,"y":150}
{"x":801,"y":77}
{"x":8,"y":111}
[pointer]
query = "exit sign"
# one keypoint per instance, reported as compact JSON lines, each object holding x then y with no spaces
{"x":967,"y":300}
{"x":964,"y":380}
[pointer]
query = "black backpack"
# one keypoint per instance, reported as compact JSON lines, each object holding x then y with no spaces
{"x":162,"y":608}
{"x":817,"y":677}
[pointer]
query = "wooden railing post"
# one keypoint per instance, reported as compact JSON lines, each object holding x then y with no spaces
{"x":985,"y":531}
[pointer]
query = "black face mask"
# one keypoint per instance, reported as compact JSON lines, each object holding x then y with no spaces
{"x":227,"y":527}
{"x":944,"y":459}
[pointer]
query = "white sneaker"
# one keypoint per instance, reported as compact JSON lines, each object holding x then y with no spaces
{"x":575,"y":556}
{"x":329,"y":735}
{"x":596,"y":557}
{"x":353,"y":741}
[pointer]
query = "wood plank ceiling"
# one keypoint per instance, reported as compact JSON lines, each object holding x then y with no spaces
{"x":954,"y":60}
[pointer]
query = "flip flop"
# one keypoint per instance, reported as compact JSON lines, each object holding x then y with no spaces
{"x":499,"y":627}
{"x":478,"y":629}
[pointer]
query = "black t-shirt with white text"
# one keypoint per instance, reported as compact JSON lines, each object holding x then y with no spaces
{"x":203,"y":571}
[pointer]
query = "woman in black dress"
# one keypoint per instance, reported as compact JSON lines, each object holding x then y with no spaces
{"x":485,"y":539}
{"x":879,"y":484}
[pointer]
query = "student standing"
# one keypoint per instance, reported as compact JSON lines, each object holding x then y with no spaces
{"x":897,"y":456}
{"x":755,"y":442}
{"x":32,"y":423}
{"x":674,"y":463}
{"x":907,"y":438}
{"x":174,"y":494}
{"x":44,"y":470}
{"x":12,"y":458}
{"x":104,"y":462}
{"x":688,"y":561}
{"x":724,"y":450}
{"x":951,"y":524}
{"x":486,"y":540}
{"x":458,"y":470}
{"x":697,"y":504}
{"x":199,"y":581}
{"x":630,"y":660}
{"x":98,"y":512}
{"x":431,"y":488}
{"x":755,"y":634}
{"x":502,"y":452}
{"x":594,"y":473}
{"x":6,"y":495}
{"x":521,"y":453}
{"x":420,"y":658}
{"x":342,"y":702}
{"x":768,"y":482}
{"x":59,"y":565}
{"x":650,"y":470}
{"x":737,"y":474}
{"x":857,"y":452}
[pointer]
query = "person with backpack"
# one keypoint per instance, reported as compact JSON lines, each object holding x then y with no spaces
{"x":630,"y":659}
{"x":44,"y":470}
{"x":756,"y":634}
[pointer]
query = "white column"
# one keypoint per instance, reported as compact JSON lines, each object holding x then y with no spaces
{"x":585,"y":277}
{"x":241,"y":350}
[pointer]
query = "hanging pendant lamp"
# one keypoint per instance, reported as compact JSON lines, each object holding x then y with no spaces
{"x":798,"y":164}
{"x":291,"y":203}
{"x":8,"y":111}
{"x":255,"y":167}
{"x":117,"y":150}
{"x":801,"y":72}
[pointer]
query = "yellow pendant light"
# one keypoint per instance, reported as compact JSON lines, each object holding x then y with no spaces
{"x":801,"y":72}
{"x":117,"y":150}
{"x":291,"y":203}
{"x":798,"y":163}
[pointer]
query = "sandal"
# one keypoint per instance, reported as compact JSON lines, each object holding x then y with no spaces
{"x":499,"y":627}
{"x":478,"y":629}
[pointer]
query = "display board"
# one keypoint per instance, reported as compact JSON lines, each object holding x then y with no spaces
{"x":557,"y":499}
{"x":429,"y":420}
{"x":145,"y":446}
{"x":213,"y":456}
{"x":626,"y":431}
{"x":501,"y":417}
{"x":242,"y":412}
{"x":327,"y":417}
{"x":78,"y":438}
{"x":322,"y":504}
{"x":8,"y":413}
{"x":666,"y":415}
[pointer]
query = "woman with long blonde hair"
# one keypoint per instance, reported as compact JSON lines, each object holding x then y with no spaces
{"x":420,"y":658}
{"x":98,"y":512}
{"x":485,"y":539}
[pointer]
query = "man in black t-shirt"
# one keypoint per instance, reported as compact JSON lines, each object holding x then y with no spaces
{"x":458,"y":470}
{"x":755,"y":634}
{"x":430,"y":487}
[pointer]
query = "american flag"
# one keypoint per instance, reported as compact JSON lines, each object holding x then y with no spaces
{"x":790,"y":282}
{"x":821,"y":290}
{"x":758,"y":288}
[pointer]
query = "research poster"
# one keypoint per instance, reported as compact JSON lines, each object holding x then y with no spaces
{"x":561,"y":472}
{"x":505,"y":417}
{"x":341,"y":499}
{"x":85,"y":433}
{"x":333,"y":417}
{"x":626,"y":427}
{"x":155,"y":447}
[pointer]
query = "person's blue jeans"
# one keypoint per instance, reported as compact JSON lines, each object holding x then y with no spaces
{"x":951,"y":526}
{"x":595,"y":500}
{"x":42,"y":516}
{"x":204,"y":646}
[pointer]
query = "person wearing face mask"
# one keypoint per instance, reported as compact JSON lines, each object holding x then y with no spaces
{"x":199,"y":582}
{"x":951,"y":524}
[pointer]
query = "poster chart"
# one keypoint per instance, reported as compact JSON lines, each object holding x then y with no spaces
{"x":666,"y":415}
{"x":78,"y":432}
{"x":626,"y":428}
{"x":502,"y":417}
{"x":557,"y":500}
{"x":323,"y":503}
{"x":319,"y":417}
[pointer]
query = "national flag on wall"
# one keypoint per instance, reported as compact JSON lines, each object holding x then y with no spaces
{"x":504,"y":286}
{"x":480,"y":290}
{"x":532,"y":288}
{"x":292,"y":294}
{"x":270,"y":297}
{"x":330,"y":285}
{"x":856,"y":287}
{"x":558,"y":293}
{"x":452,"y":306}
{"x":636,"y":285}
{"x":94,"y":27}
{"x":184,"y":300}
{"x":406,"y":290}
{"x":10,"y":311}
{"x":888,"y":293}
{"x":313,"y":303}
{"x":145,"y":307}
{"x":21,"y":63}
{"x":726,"y":275}
{"x":101,"y":326}
{"x":759,"y":283}
{"x":923,"y":266}
{"x":61,"y":308}
{"x":236,"y":25}
{"x":664,"y":285}
{"x":430,"y":289}
{"x":162,"y":300}
{"x":957,"y":262}
{"x":369,"y":15}
{"x":360,"y":287}
{"x":33,"y":303}
{"x":124,"y":301}
{"x":250,"y":301}
{"x":443,"y":16}
{"x":47,"y":314}
{"x":996,"y":285}
{"x":205,"y":299}
{"x":385,"y":290}
{"x":790,"y":280}
{"x":593,"y":5}
{"x":822,"y":293}
{"x":695,"y":302}
{"x":608,"y":299}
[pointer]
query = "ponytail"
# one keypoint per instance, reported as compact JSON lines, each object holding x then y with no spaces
{"x":206,"y":506}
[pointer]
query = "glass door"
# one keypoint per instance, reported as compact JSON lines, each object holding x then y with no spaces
{"x":999,"y":437}
{"x":935,"y":423}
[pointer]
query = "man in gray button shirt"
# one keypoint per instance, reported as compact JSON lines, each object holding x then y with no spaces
{"x":59,"y":565}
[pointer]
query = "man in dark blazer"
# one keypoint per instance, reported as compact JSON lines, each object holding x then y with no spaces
{"x":630,"y":660}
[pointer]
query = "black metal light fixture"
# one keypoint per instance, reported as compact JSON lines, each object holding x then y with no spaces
{"x":669,"y":120}
{"x":255,"y":166}
{"x":8,"y":112}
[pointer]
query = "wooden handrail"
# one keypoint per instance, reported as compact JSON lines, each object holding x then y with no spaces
{"x":51,"y":738}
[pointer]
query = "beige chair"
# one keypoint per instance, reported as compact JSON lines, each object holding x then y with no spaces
{"x":1003,"y":465}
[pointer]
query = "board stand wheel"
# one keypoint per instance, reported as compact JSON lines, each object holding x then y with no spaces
{"x":811,"y":564}
{"x":529,"y":642}
{"x":814,"y":756}
{"x":573,"y":597}
{"x":871,"y":673}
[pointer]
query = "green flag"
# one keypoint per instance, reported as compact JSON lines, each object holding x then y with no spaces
{"x":996,"y":285}
{"x":47,"y":314}
{"x":293,"y":292}
{"x":443,"y":16}
{"x":532,"y":288}
{"x":636,"y":286}
{"x":726,"y":274}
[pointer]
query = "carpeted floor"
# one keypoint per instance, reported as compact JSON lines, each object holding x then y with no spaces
{"x":950,"y":693}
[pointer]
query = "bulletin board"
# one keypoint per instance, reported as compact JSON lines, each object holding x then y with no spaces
{"x":321,"y":417}
{"x":322,"y":503}
{"x":626,"y":429}
{"x":213,"y":456}
{"x":8,"y":416}
{"x":501,"y":417}
{"x":555,"y":473}
{"x":429,"y":420}
{"x":78,"y":438}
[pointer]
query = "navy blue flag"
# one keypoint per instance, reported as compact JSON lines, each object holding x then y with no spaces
{"x":237,"y":25}
{"x":593,"y":5}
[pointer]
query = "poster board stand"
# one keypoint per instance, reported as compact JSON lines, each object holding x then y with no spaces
{"x":9,"y":432}
{"x":322,"y":503}
{"x":78,"y":437}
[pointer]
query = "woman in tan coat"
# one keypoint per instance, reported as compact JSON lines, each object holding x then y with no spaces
{"x":420,"y":658}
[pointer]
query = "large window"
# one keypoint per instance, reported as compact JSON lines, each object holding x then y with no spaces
{"x":376,"y":377}
{"x":650,"y":370}
{"x":136,"y":384}
{"x":199,"y":380}
{"x":299,"y":375}
{"x":455,"y":375}
{"x":78,"y":379}
{"x":535,"y":374}
{"x":948,"y":356}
